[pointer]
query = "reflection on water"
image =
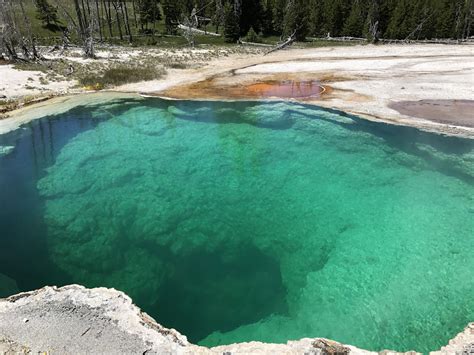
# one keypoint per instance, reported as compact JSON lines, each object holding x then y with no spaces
{"x":286,"y":89}
{"x":247,"y":221}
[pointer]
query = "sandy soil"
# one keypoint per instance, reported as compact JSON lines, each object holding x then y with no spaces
{"x":376,"y":82}
{"x":16,"y":83}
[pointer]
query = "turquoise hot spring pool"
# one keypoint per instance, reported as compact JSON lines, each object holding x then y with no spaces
{"x":239,"y":221}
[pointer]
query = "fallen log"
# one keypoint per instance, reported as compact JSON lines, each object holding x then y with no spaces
{"x":255,"y":44}
{"x":285,"y":44}
{"x":197,"y":31}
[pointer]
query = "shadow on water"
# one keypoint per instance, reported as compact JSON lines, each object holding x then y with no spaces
{"x":408,"y":140}
{"x":24,"y":252}
{"x":405,"y":139}
{"x":205,"y":291}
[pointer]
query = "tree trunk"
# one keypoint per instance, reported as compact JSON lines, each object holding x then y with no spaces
{"x":117,"y":16}
{"x":108,"y":16}
{"x":135,"y":13}
{"x":29,"y":33}
{"x":88,"y":8}
{"x":14,"y":32}
{"x":79,"y":16}
{"x":104,"y":11}
{"x":10,"y":32}
{"x":99,"y":22}
{"x":127,"y":21}
{"x":84,"y":15}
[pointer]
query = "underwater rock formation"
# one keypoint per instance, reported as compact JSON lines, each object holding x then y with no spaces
{"x":5,"y":150}
{"x":221,"y":204}
{"x":76,"y":320}
{"x":8,"y":286}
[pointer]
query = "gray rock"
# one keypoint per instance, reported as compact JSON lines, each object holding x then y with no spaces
{"x":76,"y":320}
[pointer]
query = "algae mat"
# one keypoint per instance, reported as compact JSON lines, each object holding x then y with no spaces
{"x":248,"y":221}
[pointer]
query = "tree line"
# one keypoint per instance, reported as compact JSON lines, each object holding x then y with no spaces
{"x":93,"y":20}
{"x":372,"y":19}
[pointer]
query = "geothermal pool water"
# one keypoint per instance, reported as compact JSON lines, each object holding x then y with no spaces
{"x":247,"y":220}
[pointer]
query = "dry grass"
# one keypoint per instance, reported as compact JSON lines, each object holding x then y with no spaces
{"x":121,"y":74}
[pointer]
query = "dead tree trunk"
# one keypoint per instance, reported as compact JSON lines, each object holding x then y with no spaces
{"x":31,"y":40}
{"x":77,"y":7}
{"x":88,"y":8}
{"x":188,"y":32}
{"x":89,"y":51}
{"x":108,"y":15}
{"x":8,"y":32}
{"x":219,"y":15}
{"x":135,"y":13}
{"x":285,"y":44}
{"x":66,"y":41}
{"x":123,"y":5}
{"x":85,"y":27}
{"x":117,"y":16}
{"x":13,"y":30}
{"x":418,"y":28}
{"x":468,"y":19}
{"x":85,"y":15}
{"x":99,"y":22}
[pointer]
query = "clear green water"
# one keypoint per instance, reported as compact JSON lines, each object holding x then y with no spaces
{"x":248,"y":221}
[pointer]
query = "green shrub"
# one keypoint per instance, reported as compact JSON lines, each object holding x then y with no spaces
{"x":252,"y":36}
{"x":119,"y":75}
{"x":177,"y":65}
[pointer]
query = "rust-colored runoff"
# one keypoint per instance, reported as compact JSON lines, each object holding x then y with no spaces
{"x":285,"y":89}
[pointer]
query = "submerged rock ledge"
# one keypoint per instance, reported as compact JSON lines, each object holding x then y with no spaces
{"x":77,"y":320}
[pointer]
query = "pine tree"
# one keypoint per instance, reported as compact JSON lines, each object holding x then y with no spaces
{"x":218,"y":18}
{"x":171,"y":13}
{"x":400,"y":25}
{"x":279,"y":15}
{"x":316,"y":17}
{"x":423,"y":20}
{"x":335,"y":16}
{"x":231,"y":25}
{"x":445,"y":27}
{"x":386,"y":10}
{"x":372,"y":23}
{"x":296,"y":19}
{"x":46,"y":13}
{"x":251,"y":16}
{"x":252,"y":36}
{"x":355,"y":22}
{"x":186,"y":6}
{"x":267,"y":20}
{"x":149,"y":12}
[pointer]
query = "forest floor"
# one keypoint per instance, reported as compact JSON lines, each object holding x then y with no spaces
{"x":422,"y":85}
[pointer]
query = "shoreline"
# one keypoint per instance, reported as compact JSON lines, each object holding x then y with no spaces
{"x":62,"y":103}
{"x":104,"y":320}
{"x":379,"y":83}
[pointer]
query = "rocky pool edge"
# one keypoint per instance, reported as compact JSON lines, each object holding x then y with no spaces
{"x":61,"y":104}
{"x":77,"y":320}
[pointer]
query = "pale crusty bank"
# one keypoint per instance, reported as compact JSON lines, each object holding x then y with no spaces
{"x":77,"y":320}
{"x":428,"y":86}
